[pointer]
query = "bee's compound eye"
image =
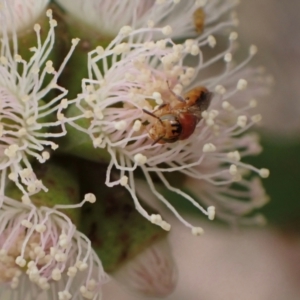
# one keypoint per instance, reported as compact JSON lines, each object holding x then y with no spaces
{"x":173,"y":128}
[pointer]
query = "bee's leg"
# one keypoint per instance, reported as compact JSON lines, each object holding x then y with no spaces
{"x":178,"y":97}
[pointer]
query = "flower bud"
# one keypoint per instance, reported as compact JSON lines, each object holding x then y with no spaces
{"x":152,"y":273}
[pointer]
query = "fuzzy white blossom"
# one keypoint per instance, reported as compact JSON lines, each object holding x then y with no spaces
{"x":26,"y":120}
{"x":137,"y":76}
{"x":180,"y":19}
{"x":152,"y":273}
{"x":42,"y":252}
{"x":25,"y":12}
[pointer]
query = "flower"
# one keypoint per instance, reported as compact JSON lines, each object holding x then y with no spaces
{"x":137,"y":76}
{"x":25,"y":12}
{"x":152,"y":273}
{"x":40,"y":247}
{"x":26,"y":119}
{"x":181,"y":18}
{"x":234,"y":193}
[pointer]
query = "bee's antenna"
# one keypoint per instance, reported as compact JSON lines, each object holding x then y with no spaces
{"x":152,"y":115}
{"x":178,"y":97}
{"x":157,"y":140}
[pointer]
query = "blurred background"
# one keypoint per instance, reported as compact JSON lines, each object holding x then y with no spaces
{"x":254,"y":263}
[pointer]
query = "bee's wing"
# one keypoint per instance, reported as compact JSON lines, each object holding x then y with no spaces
{"x":201,"y":105}
{"x":196,"y":111}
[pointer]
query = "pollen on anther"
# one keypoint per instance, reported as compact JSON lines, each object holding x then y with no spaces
{"x":53,"y":23}
{"x":18,"y":58}
{"x":56,"y":274}
{"x":137,"y":125}
{"x":121,"y":48}
{"x":90,"y":198}
{"x":26,"y":223}
{"x":126,"y":30}
{"x":82,"y":266}
{"x":161,"y":44}
{"x":228,"y":57}
{"x":167,"y":30}
{"x":242,"y":121}
{"x":40,"y":228}
{"x":196,"y":231}
{"x":220,"y":89}
{"x":100,"y":50}
{"x":195,"y":50}
{"x":49,"y":13}
{"x":37,"y":27}
{"x":140,"y":159}
{"x":209,"y":148}
{"x":97,"y":142}
{"x":227,"y":106}
{"x":20,"y":261}
{"x":3,"y":60}
{"x":11,"y":150}
{"x":91,"y":284}
{"x":75,"y":41}
{"x":13,"y":176}
{"x":165,"y":226}
{"x":242,"y":84}
{"x":72,"y":271}
{"x":256,"y":118}
{"x":54,"y":146}
{"x":264,"y":173}
{"x":99,"y":113}
{"x":49,"y":67}
{"x":120,"y":125}
{"x":22,"y":132}
{"x":64,"y":103}
{"x":30,"y":120}
{"x":211,"y":41}
{"x":211,"y":211}
{"x":253,"y":103}
{"x":233,"y":170}
{"x":45,"y":155}
{"x":155,"y":219}
{"x":25,"y":199}
{"x":235,"y":155}
{"x":253,"y":50}
{"x":233,"y":36}
{"x":124,"y":181}
{"x":157,"y":97}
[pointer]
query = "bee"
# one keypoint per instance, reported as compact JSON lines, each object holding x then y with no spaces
{"x":178,"y":122}
{"x":199,"y":18}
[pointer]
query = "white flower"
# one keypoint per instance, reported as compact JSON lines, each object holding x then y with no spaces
{"x":115,"y":95}
{"x":181,"y":19}
{"x":25,"y":12}
{"x":41,"y":252}
{"x":26,"y":120}
{"x":152,"y":273}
